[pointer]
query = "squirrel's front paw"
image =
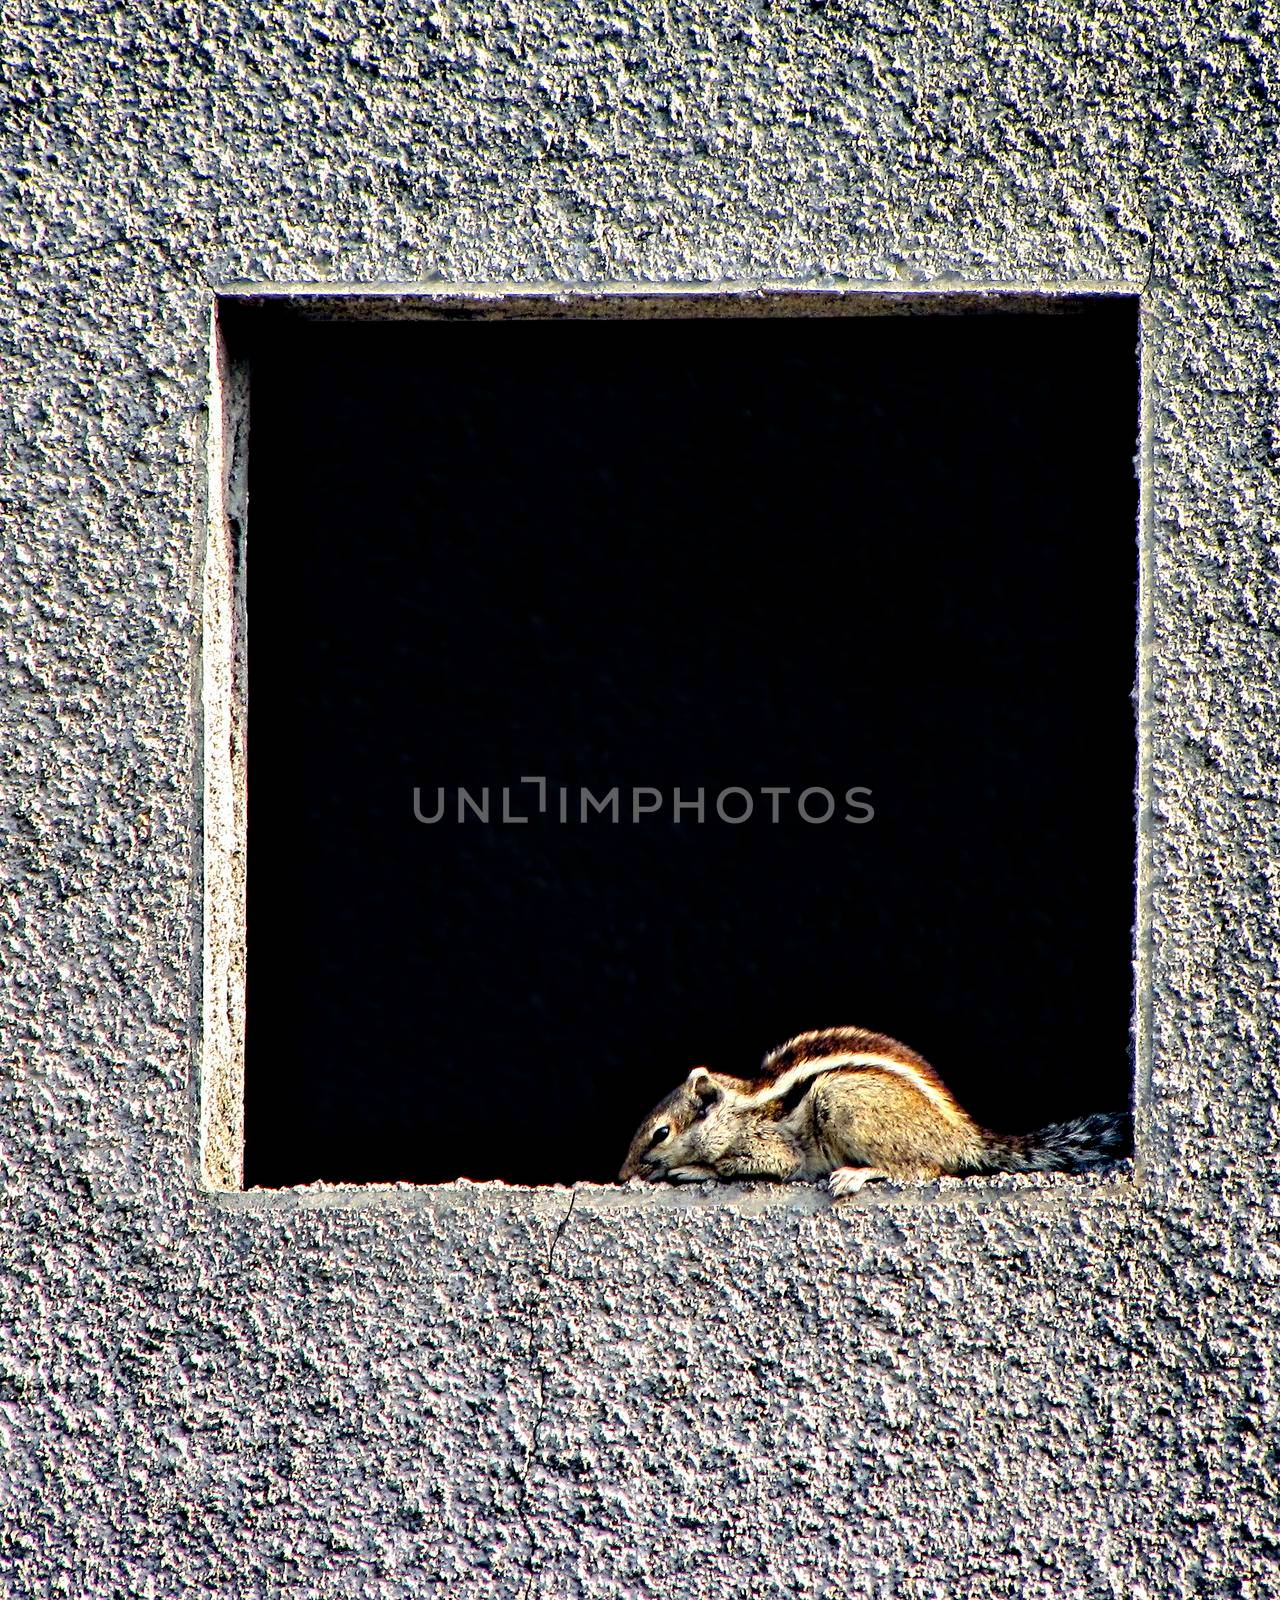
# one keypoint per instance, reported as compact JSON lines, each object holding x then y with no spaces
{"x":848,"y":1180}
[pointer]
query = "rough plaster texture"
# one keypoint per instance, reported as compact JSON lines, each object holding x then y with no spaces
{"x":1042,"y":1389}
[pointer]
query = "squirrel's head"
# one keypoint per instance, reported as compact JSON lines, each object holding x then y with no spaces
{"x":677,"y":1142}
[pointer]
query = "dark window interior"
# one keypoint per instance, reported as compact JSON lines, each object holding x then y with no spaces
{"x":895,"y":552}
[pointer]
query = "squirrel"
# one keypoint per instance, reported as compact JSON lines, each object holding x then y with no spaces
{"x":850,"y":1106}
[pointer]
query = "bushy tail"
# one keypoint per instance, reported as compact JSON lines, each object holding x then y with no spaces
{"x":1076,"y":1146}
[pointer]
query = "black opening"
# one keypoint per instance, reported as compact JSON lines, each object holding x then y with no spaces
{"x":889,"y":553}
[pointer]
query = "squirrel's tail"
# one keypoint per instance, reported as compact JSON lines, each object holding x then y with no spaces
{"x":1075,"y":1146}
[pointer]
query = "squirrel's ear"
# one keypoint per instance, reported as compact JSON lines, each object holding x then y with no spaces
{"x":699,"y":1081}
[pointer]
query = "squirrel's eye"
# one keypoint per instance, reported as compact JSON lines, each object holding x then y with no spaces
{"x":659,"y":1134}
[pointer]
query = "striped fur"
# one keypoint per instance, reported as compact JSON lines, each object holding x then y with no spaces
{"x":852,"y":1105}
{"x":922,"y":1078}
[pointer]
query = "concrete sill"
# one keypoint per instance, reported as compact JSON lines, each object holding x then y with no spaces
{"x":1107,"y":1186}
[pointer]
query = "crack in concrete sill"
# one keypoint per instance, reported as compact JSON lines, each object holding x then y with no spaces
{"x":539,"y":1366}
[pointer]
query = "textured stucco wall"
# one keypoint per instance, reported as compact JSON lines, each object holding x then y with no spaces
{"x":1018,"y":1390}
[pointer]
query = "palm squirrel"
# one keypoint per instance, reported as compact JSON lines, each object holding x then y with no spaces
{"x":850,"y":1106}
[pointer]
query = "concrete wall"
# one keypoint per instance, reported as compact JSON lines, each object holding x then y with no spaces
{"x":1014,"y":1389}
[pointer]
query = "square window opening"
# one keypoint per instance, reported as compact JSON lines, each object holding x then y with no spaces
{"x":636,"y":684}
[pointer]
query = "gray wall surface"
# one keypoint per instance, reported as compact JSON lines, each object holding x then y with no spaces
{"x":1020,"y":1388}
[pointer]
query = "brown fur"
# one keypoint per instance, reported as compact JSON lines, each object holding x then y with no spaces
{"x":894,"y":1117}
{"x":832,"y":1041}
